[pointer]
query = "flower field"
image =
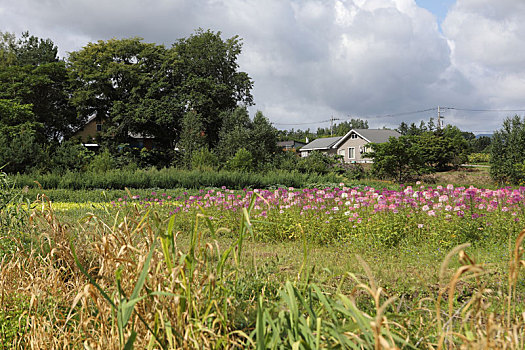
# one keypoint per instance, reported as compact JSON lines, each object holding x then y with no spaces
{"x":444,"y":215}
{"x":327,"y":267}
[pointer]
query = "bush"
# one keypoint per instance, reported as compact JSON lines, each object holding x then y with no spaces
{"x":102,"y":162}
{"x":242,"y":161}
{"x":354,"y":172}
{"x":476,"y":158}
{"x":204,"y":159}
{"x":318,"y":162}
{"x":71,"y":155}
{"x":173,"y":178}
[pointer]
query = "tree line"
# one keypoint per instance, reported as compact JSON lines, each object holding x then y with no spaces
{"x":185,"y":97}
{"x":192,"y":99}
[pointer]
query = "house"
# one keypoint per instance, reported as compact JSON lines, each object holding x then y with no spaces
{"x":323,"y":145}
{"x":91,"y":133}
{"x":352,"y":146}
{"x":290,"y":145}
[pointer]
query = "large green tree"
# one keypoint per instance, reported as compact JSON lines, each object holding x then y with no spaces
{"x":507,"y":158}
{"x":414,"y":154}
{"x":144,"y":88}
{"x":211,"y":82}
{"x":31,"y":73}
{"x":124,"y":82}
{"x":256,"y":136}
{"x":400,"y":158}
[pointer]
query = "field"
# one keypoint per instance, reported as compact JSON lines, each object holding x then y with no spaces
{"x":341,"y":266}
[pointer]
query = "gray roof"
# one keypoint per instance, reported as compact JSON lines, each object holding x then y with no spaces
{"x":377,"y":135}
{"x":371,"y":135}
{"x":321,"y":143}
{"x":290,"y":143}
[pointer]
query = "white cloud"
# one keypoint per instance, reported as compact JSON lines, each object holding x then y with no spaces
{"x":311,"y":59}
{"x":488,"y":41}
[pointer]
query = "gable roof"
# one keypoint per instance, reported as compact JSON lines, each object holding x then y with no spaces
{"x":370,"y":135}
{"x":321,"y":143}
{"x":290,"y":143}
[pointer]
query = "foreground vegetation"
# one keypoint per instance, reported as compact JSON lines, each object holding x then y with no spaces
{"x":221,"y":268}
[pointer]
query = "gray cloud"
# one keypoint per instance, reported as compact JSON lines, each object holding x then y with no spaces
{"x":315,"y":58}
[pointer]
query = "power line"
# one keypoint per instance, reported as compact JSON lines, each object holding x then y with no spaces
{"x":484,"y":110}
{"x":392,"y":115}
{"x":377,"y":116}
{"x":322,"y":121}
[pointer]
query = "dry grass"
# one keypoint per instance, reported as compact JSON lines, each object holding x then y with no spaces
{"x":128,"y":282}
{"x":464,"y":176}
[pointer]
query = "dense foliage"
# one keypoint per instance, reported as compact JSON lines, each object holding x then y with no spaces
{"x":508,"y":152}
{"x":179,"y":97}
{"x":414,"y":154}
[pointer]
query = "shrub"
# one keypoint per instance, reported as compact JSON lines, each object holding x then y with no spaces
{"x":318,"y":162}
{"x":71,"y":155}
{"x":102,"y":162}
{"x":354,"y":172}
{"x":242,"y":161}
{"x":204,"y":159}
{"x":476,"y":158}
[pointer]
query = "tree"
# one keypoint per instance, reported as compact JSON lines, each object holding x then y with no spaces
{"x":262,"y":140}
{"x":193,"y":136}
{"x":403,"y":128}
{"x":258,"y":137}
{"x":210,"y":80}
{"x":31,"y":73}
{"x":400,"y":158}
{"x":20,"y":137}
{"x":234,"y":133}
{"x":128,"y":84}
{"x":317,"y":162}
{"x":480,"y":144}
{"x":139,"y":87}
{"x":443,"y":149}
{"x":343,"y":128}
{"x":241,"y":161}
{"x":508,"y":151}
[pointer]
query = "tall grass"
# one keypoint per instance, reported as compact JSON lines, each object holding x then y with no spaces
{"x":171,"y":178}
{"x":132,"y":282}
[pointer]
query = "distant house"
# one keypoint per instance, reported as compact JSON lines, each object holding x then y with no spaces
{"x":290,"y":145}
{"x":91,"y":133}
{"x":323,"y":145}
{"x":352,"y":146}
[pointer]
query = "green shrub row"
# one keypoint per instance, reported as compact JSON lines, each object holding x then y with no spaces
{"x":171,"y":178}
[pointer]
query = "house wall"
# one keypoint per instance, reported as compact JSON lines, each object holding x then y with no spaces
{"x":331,"y":151}
{"x":89,"y":131}
{"x":357,"y":144}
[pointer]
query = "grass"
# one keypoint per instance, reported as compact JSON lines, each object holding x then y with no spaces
{"x":130,"y":279}
{"x":80,"y":272}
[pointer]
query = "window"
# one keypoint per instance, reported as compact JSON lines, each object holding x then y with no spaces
{"x":351,"y":152}
{"x":99,"y":127}
{"x":341,"y":152}
{"x":353,"y":136}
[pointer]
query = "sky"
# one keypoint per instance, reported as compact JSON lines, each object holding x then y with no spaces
{"x":311,"y":60}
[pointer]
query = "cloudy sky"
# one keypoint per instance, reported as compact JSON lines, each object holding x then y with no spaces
{"x":313,"y":59}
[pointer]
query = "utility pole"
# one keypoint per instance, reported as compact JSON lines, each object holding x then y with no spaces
{"x":439,"y":118}
{"x":332,"y":125}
